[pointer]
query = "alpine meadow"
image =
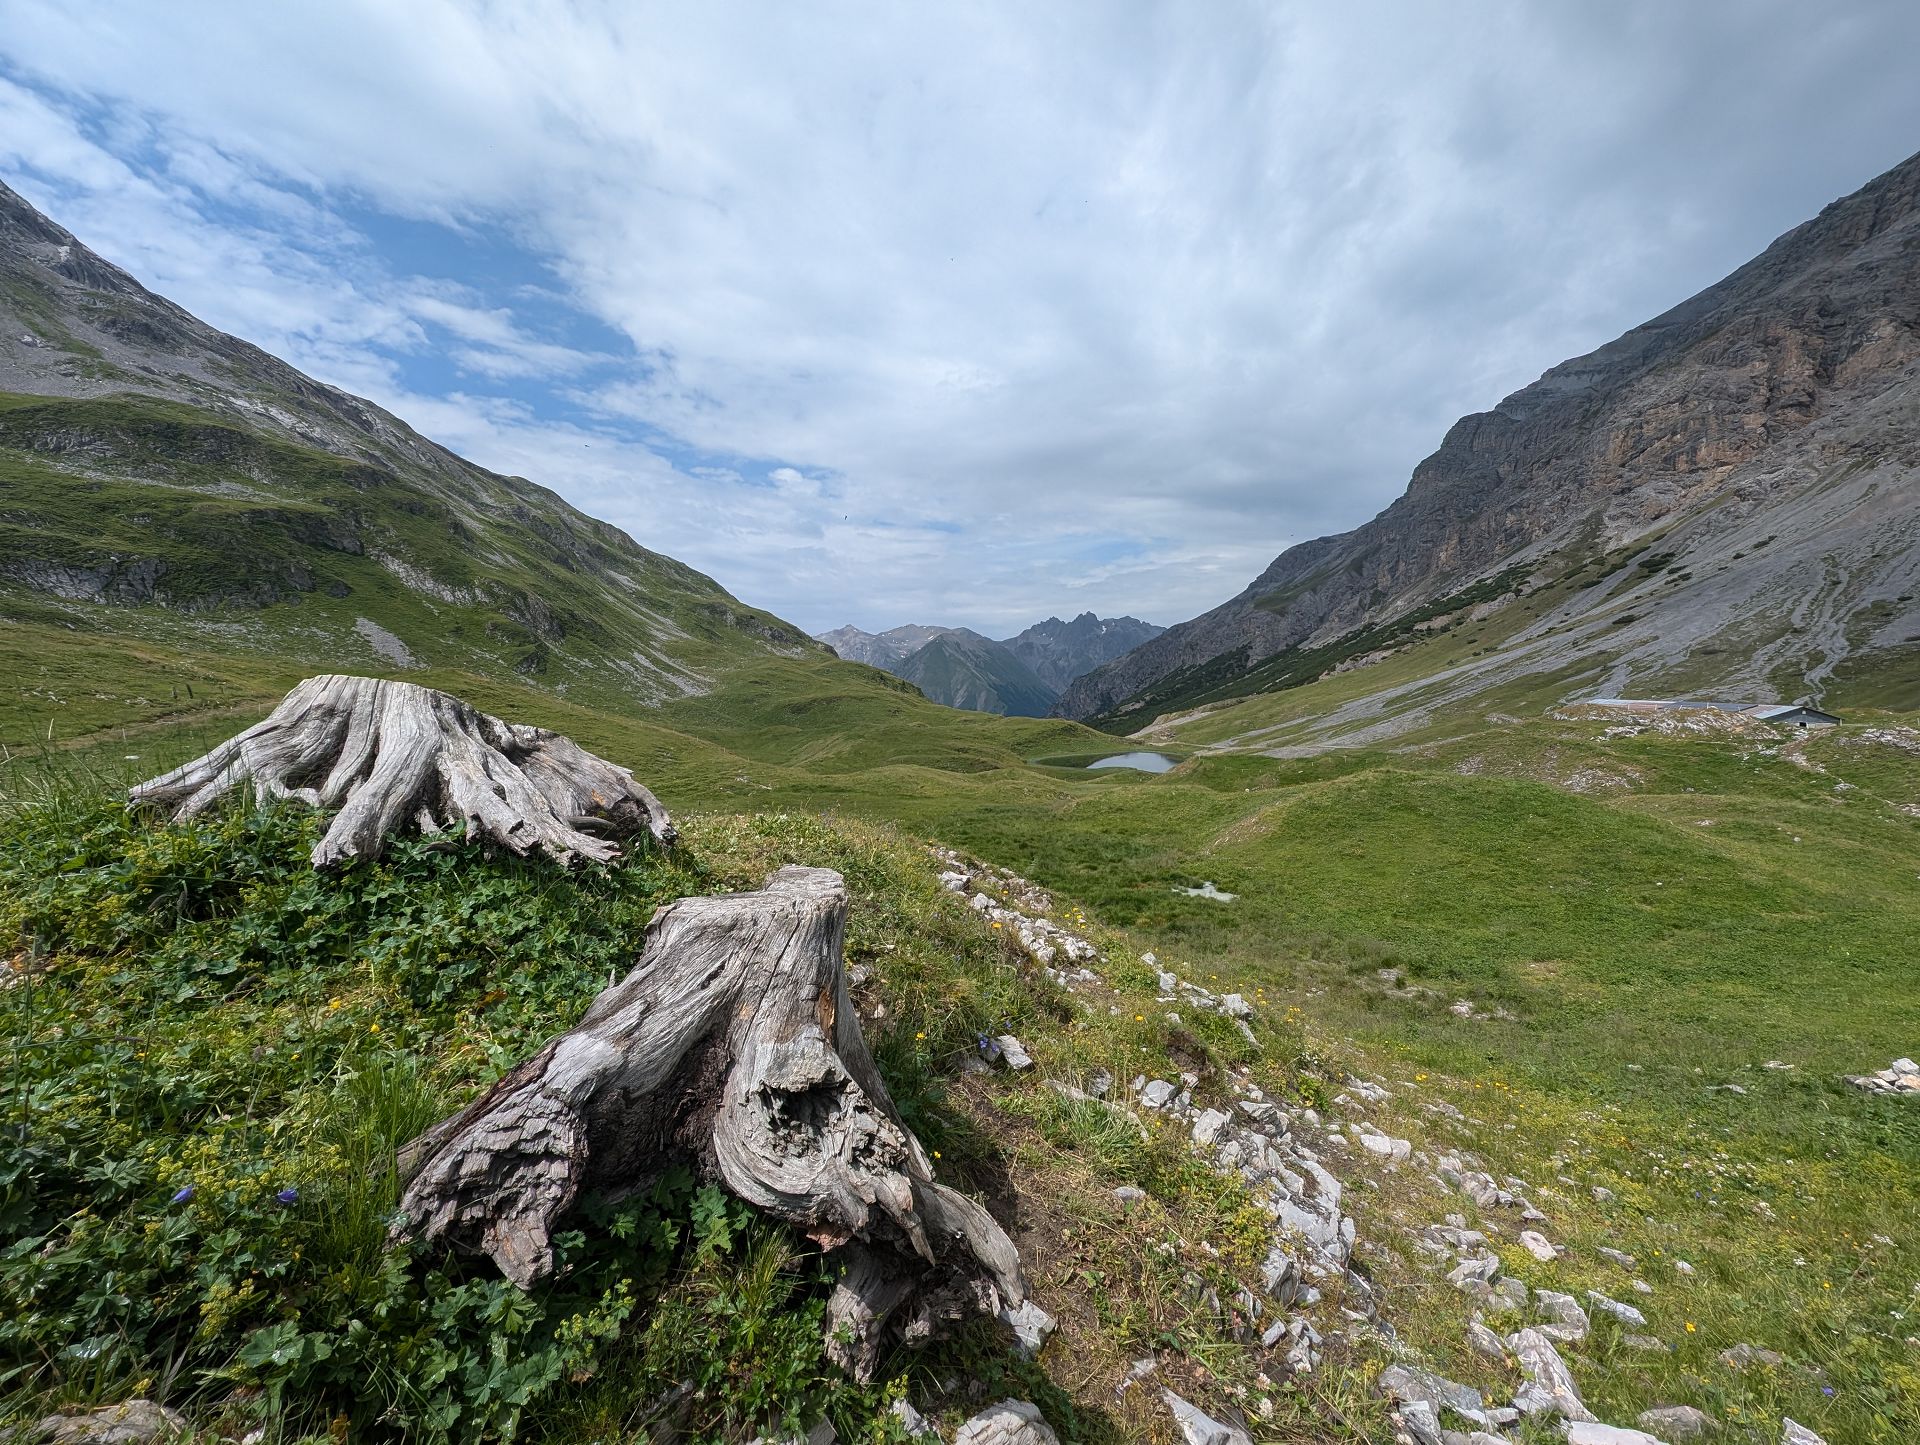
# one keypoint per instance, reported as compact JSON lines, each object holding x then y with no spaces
{"x":467,"y":976}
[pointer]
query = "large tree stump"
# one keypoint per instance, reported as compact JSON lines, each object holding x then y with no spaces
{"x":731,"y":1046}
{"x":388,"y":754}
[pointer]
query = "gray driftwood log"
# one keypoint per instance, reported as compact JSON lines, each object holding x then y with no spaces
{"x":388,"y":755}
{"x":731,"y":1046}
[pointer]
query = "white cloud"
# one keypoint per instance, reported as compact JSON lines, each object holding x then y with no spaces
{"x":1040,"y":307}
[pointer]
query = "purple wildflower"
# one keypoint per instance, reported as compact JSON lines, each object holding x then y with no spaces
{"x":183,"y":1196}
{"x":288,"y":1196}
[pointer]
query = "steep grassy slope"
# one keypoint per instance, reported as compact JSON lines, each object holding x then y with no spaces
{"x":1734,"y":481}
{"x":963,"y":669}
{"x":188,"y":525}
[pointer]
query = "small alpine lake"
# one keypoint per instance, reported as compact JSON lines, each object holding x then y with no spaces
{"x":1141,"y":762}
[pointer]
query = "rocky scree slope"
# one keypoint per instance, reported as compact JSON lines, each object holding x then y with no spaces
{"x":1732,"y":485}
{"x":160,"y":474}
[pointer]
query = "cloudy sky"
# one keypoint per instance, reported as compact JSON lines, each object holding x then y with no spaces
{"x":963,"y":313}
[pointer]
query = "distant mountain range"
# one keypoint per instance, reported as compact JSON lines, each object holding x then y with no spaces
{"x":1019,"y":676}
{"x":1724,"y":501}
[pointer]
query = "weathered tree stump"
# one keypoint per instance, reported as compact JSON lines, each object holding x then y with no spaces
{"x":389,"y":754}
{"x":731,"y":1046}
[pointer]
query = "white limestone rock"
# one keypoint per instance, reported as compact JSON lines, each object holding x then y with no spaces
{"x":1197,"y":1427}
{"x":1011,"y":1422}
{"x":1551,"y":1381}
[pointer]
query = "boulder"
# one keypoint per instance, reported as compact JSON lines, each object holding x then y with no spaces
{"x":1207,"y":1127}
{"x":1011,"y":1422}
{"x":1410,"y":1385}
{"x":1539,"y":1246}
{"x":132,"y":1422}
{"x":1030,"y":1324}
{"x":1592,"y":1432}
{"x":1197,"y":1427}
{"x":1551,"y":1382}
{"x":1625,"y":1313}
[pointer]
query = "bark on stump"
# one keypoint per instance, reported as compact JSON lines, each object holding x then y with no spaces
{"x":389,"y":755}
{"x":732,"y":1046}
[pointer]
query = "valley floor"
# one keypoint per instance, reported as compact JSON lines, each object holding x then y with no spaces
{"x":1620,"y":974}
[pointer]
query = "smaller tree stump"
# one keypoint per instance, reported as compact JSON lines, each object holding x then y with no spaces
{"x":732,"y":1046}
{"x":392,"y":754}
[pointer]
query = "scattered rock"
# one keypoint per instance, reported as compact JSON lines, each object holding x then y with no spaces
{"x":1619,"y":1257}
{"x":1197,"y":1427}
{"x":1011,"y":1422}
{"x":1420,"y":1421}
{"x":1474,"y":1271}
{"x":1551,"y":1383}
{"x":1792,"y":1432}
{"x":1385,"y":1146}
{"x":1137,"y":1372}
{"x":1676,"y":1422}
{"x":1129,"y":1195}
{"x":1013,"y":1054}
{"x":132,"y":1422}
{"x":1409,"y":1385}
{"x":1592,"y":1432}
{"x":1902,"y":1076}
{"x":1484,"y":1341}
{"x":1625,"y":1313}
{"x":1539,"y":1246}
{"x":1031,"y":1325}
{"x":1157,"y":1094}
{"x":1567,"y":1322}
{"x":1208,"y":1126}
{"x":1647,"y":1344}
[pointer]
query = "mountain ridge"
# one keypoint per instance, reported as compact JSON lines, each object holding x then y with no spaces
{"x":1772,"y":411}
{"x":161,"y":474}
{"x":995,"y":675}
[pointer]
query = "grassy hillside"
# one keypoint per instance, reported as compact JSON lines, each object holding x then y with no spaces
{"x":963,"y":669}
{"x":130,"y":517}
{"x":1632,"y":922}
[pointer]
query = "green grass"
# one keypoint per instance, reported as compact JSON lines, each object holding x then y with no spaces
{"x":1657,"y":915}
{"x":212,"y":1053}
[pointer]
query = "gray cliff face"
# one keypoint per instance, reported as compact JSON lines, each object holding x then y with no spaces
{"x":1779,"y":404}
